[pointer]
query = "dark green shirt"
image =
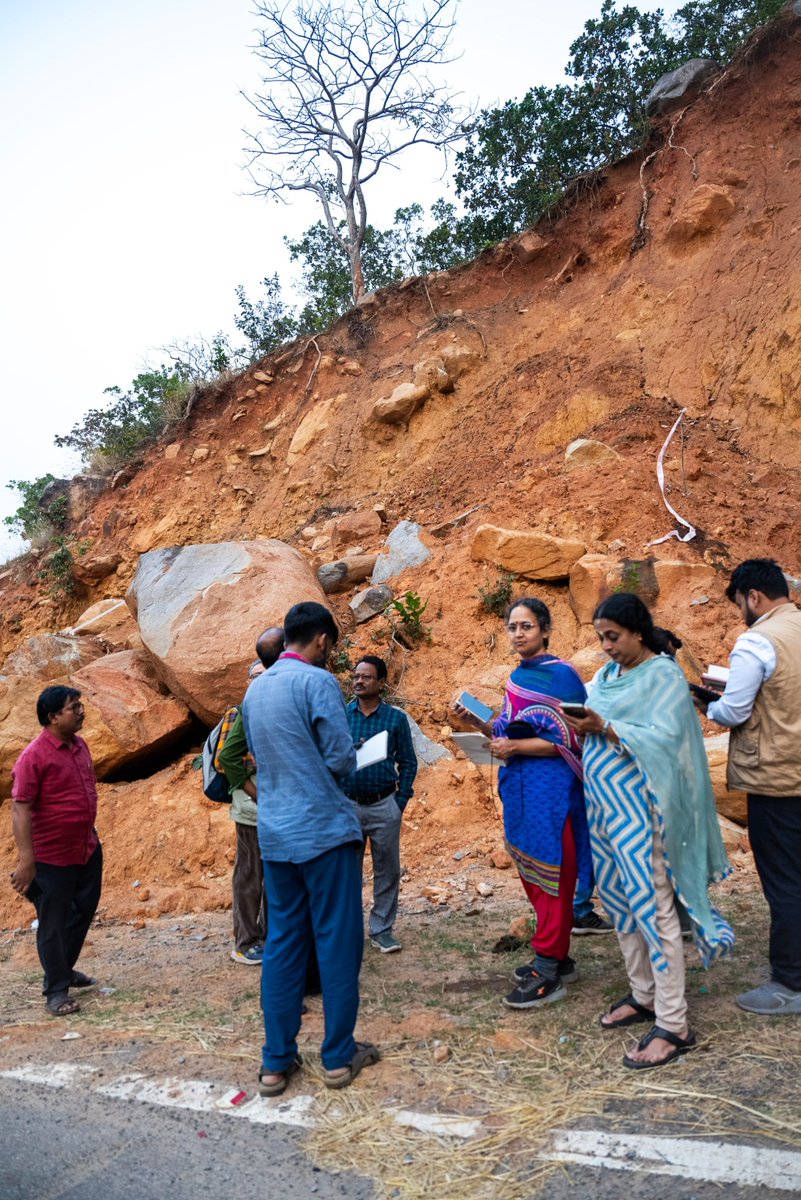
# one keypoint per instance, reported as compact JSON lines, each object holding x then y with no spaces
{"x":399,"y":767}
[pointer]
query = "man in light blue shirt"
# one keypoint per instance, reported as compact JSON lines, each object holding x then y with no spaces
{"x":311,"y":841}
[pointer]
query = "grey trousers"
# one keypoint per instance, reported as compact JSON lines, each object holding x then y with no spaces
{"x":381,"y":824}
{"x":247,"y":887}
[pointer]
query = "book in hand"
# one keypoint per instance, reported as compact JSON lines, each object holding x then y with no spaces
{"x":716,"y":677}
{"x":475,"y":746}
{"x":482,"y":711}
{"x":706,"y":695}
{"x":374,"y":750}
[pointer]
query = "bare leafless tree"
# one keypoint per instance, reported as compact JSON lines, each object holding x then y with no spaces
{"x":346,"y":92}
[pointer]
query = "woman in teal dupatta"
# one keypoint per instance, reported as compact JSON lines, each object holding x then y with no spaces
{"x":653,"y":825}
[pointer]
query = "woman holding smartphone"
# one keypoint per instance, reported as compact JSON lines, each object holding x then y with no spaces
{"x":653,"y":824}
{"x":540,"y":785}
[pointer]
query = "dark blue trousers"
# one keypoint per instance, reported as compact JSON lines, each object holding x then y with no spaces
{"x":316,"y":903}
{"x":774,"y":830}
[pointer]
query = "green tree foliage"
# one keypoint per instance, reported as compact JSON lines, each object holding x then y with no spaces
{"x":107,"y":437}
{"x":34,"y":518}
{"x":266,"y":323}
{"x":521,"y":156}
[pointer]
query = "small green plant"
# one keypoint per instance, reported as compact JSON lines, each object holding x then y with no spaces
{"x":410,"y":610}
{"x":57,"y":566}
{"x":630,"y":578}
{"x":339,"y":661}
{"x":495,"y":599}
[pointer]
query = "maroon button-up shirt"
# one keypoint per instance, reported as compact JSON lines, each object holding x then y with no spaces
{"x":57,"y":779}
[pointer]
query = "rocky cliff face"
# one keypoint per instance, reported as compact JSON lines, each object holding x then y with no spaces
{"x":670,"y":281}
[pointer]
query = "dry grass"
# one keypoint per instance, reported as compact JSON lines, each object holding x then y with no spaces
{"x":521,"y":1074}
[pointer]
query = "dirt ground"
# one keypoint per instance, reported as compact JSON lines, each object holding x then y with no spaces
{"x":180,"y":1007}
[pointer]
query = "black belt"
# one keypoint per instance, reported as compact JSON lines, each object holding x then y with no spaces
{"x":373,"y":797}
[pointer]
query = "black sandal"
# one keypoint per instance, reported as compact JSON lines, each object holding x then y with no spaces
{"x":680,"y":1046}
{"x":282,"y":1082}
{"x":61,"y":1005}
{"x":640,"y":1014}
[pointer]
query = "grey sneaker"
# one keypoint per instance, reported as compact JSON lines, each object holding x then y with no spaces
{"x":385,"y":942}
{"x":771,"y":1000}
{"x":567,"y":969}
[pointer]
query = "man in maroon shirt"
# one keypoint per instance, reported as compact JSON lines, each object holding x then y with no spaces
{"x":60,"y":860}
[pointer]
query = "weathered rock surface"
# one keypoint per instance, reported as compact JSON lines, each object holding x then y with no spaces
{"x":403,"y":551}
{"x":586,"y":452}
{"x":705,"y":210}
{"x":529,"y":246}
{"x":459,"y":358}
{"x":111,"y":619}
{"x":432,"y":373}
{"x":90,"y":569}
{"x":590,"y":584}
{"x":370,"y":602}
{"x":200,"y":609}
{"x":536,"y":555}
{"x":339,"y":576}
{"x":401,"y":404}
{"x":127,"y":715}
{"x":311,"y":428}
{"x":733,"y":805}
{"x":680,"y":86}
{"x":352,"y":528}
{"x":137,"y":718}
{"x":53,"y":656}
{"x":588,"y":661}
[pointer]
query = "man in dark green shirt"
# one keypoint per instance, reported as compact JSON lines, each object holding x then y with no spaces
{"x":381,"y":792}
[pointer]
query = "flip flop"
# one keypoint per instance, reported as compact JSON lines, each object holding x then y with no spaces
{"x":79,"y":980}
{"x":282,"y":1082}
{"x":641,"y":1013}
{"x":61,"y":1005}
{"x":366,"y":1054}
{"x":680,"y":1046}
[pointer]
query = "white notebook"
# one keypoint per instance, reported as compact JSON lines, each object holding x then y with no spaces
{"x":374,"y":750}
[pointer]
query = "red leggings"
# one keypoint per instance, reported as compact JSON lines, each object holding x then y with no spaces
{"x":555,"y":913}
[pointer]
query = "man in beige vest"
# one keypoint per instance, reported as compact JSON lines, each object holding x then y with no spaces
{"x":762,"y":707}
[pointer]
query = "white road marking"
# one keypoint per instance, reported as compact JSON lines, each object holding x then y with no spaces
{"x":707,"y":1161}
{"x":57,"y":1075}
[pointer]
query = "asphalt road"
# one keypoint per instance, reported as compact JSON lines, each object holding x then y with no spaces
{"x":70,"y":1144}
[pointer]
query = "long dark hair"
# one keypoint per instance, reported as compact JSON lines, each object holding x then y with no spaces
{"x":628,"y":610}
{"x":538,"y":609}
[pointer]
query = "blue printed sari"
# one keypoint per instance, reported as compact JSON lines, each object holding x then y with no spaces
{"x":539,"y":794}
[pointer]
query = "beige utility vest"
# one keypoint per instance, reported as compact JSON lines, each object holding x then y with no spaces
{"x":765,"y":752}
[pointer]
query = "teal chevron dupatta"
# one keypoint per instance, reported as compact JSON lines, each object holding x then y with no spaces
{"x":658,"y":776}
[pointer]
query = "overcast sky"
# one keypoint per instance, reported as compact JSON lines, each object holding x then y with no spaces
{"x":125,"y":226}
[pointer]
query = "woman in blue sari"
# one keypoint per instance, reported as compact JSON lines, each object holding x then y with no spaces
{"x":540,"y":785}
{"x":653,"y":824}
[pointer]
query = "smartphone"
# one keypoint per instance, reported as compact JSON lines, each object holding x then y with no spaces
{"x":573,"y":710}
{"x":707,"y":695}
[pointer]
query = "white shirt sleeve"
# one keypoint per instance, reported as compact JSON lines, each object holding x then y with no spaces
{"x":753,"y":661}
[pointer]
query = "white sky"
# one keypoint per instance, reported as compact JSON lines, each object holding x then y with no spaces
{"x":124,"y":222}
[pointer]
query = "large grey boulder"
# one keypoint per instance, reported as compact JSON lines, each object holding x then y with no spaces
{"x":679,"y":86}
{"x":428,"y":752}
{"x":200,"y":609}
{"x":402,"y":551}
{"x":370,"y":602}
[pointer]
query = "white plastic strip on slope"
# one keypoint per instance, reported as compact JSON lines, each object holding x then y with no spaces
{"x":660,"y":474}
{"x":710,"y":1162}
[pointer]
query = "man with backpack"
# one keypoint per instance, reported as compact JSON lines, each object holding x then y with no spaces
{"x":233,"y":759}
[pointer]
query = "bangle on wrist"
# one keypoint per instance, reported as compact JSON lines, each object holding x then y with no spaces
{"x":605,"y":729}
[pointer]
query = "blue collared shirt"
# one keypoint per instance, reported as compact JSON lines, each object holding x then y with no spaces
{"x":399,"y":767}
{"x":297,"y":730}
